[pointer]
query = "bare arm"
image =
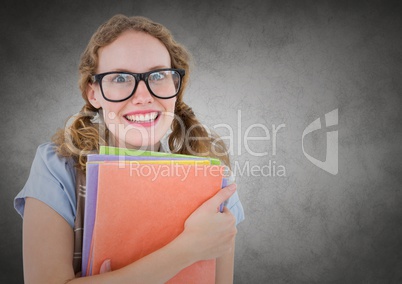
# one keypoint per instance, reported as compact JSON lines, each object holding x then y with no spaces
{"x":225,"y":266}
{"x":48,"y":246}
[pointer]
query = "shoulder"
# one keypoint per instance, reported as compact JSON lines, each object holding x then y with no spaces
{"x":52,"y":181}
{"x":46,"y":156}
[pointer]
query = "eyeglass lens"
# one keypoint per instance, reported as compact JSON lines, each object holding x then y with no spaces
{"x":119,"y":86}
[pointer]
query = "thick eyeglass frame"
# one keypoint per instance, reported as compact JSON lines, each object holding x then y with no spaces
{"x":138,"y":77}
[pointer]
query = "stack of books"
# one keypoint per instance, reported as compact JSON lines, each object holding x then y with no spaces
{"x":138,"y":201}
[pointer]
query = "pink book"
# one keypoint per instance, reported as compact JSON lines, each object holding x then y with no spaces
{"x":138,"y":213}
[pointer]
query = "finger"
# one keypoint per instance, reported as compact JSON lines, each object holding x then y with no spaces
{"x":220,"y":196}
{"x":105,"y":267}
{"x":226,"y":210}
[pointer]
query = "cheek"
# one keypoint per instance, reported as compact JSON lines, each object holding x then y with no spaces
{"x":109,"y":117}
{"x":108,"y":107}
{"x":169,"y":105}
{"x":110,"y":111}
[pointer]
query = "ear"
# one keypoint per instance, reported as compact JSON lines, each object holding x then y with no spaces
{"x":91,"y":94}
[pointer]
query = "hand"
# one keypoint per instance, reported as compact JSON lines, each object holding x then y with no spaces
{"x":209,"y":233}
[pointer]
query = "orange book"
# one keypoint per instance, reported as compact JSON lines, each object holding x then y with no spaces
{"x":143,"y":207}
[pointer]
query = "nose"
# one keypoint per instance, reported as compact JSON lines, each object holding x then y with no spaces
{"x":142,"y":95}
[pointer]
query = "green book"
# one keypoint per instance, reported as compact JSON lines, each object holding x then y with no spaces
{"x":109,"y":150}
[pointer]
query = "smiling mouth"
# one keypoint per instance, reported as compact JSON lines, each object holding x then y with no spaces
{"x":143,"y":118}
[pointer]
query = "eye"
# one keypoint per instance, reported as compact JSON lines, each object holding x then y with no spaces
{"x":122,"y":78}
{"x":158,"y":76}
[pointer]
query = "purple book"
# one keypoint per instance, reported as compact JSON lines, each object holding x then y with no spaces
{"x":91,"y":196}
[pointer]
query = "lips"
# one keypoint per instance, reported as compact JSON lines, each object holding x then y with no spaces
{"x":143,"y":117}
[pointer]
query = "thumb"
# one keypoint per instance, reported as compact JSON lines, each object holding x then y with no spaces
{"x":220,"y":196}
{"x":105,"y":267}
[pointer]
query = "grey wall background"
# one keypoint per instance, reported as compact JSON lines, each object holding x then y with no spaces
{"x":275,"y":62}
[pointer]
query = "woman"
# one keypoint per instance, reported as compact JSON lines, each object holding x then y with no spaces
{"x":137,"y":54}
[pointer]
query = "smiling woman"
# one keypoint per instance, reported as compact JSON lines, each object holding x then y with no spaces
{"x":133,"y":77}
{"x":127,"y":53}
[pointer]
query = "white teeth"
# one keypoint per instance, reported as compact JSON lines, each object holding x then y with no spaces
{"x":141,"y":118}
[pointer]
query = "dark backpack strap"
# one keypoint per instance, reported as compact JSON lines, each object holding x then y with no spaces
{"x":80,"y":193}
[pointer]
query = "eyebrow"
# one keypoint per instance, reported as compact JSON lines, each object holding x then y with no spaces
{"x":150,"y":69}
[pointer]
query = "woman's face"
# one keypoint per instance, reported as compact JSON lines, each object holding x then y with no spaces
{"x":142,"y":120}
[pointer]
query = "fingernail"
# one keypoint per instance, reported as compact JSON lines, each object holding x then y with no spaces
{"x":232,"y":186}
{"x":105,"y":267}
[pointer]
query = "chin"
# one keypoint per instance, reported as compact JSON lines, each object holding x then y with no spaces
{"x":139,"y":137}
{"x":140,"y":140}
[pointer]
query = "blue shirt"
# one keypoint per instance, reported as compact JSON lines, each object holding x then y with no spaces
{"x":52,"y":181}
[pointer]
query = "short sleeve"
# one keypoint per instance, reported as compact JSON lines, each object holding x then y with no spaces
{"x":233,"y":203}
{"x":52,"y":181}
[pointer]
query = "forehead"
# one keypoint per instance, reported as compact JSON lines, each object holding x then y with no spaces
{"x":133,"y":51}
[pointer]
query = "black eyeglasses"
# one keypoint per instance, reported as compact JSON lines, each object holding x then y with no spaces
{"x":120,"y":86}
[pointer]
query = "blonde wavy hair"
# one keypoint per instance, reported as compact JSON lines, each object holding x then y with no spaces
{"x":84,"y":135}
